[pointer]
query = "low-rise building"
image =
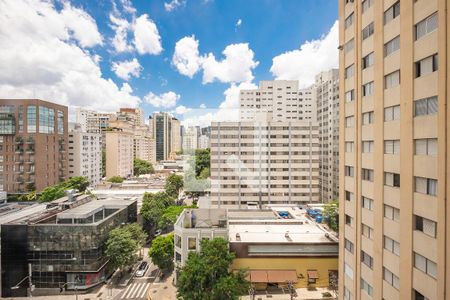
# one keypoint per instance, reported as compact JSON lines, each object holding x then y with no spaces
{"x":278,"y":246}
{"x":63,"y":244}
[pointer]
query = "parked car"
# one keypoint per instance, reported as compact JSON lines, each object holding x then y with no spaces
{"x":142,"y":269}
{"x":158,"y":232}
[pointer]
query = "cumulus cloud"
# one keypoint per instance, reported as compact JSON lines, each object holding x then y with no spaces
{"x":120,"y":40}
{"x":164,"y":100}
{"x":181,"y":110}
{"x":232,"y":94}
{"x":169,"y":6}
{"x":312,"y":57}
{"x":203,"y":105}
{"x":43,"y":55}
{"x":186,"y":57}
{"x":146,"y":36}
{"x":126,"y":69}
{"x":236,"y":67}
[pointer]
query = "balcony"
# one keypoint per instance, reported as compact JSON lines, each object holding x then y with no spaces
{"x":20,"y":180}
{"x":30,"y":141}
{"x":19,"y":140}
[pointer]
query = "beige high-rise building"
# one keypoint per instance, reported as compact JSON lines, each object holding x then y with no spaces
{"x":93,"y":122}
{"x":119,"y":153}
{"x":394,"y":140}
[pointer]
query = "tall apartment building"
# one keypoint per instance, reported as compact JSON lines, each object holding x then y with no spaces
{"x":33,"y":144}
{"x":394,"y":162}
{"x":85,"y":155}
{"x":326,"y":94}
{"x":119,"y":152}
{"x":204,"y":142}
{"x":191,"y":136}
{"x":278,"y":100}
{"x":93,"y":122}
{"x":166,"y":133}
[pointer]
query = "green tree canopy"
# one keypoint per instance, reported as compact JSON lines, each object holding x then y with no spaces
{"x":116,"y":179}
{"x":331,"y":214}
{"x":121,"y":248}
{"x":136,"y":233}
{"x":170,"y":215}
{"x":206,"y":275}
{"x":56,"y":191}
{"x":202,"y":161}
{"x":142,"y":167}
{"x":174,"y":183}
{"x":161,"y":252}
{"x":153,"y":206}
{"x":79,"y":183}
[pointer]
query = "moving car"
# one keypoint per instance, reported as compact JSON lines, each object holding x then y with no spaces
{"x":142,"y":269}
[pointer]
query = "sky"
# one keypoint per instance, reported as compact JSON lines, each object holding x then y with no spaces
{"x":174,"y":55}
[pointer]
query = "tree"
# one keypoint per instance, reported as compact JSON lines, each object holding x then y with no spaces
{"x":121,"y":248}
{"x":206,"y":274}
{"x":331,"y":214}
{"x":51,"y":193}
{"x":136,"y":233}
{"x":174,"y":183}
{"x":202,"y":160}
{"x":161,"y":252}
{"x":79,"y":183}
{"x":204,"y":174}
{"x":116,"y":179}
{"x":103,"y":163}
{"x":170,"y":214}
{"x":142,"y":167}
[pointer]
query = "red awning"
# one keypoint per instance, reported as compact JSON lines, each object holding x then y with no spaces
{"x":312,"y":274}
{"x":282,"y":276}
{"x":258,"y":276}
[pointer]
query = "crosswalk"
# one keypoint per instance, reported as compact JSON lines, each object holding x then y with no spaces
{"x":136,"y":290}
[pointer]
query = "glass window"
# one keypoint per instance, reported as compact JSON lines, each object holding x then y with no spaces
{"x":392,"y":147}
{"x":367,"y":203}
{"x":348,"y":196}
{"x":347,"y":293}
{"x":349,"y":171}
{"x":348,"y":246}
{"x":348,"y":146}
{"x":392,"y":46}
{"x":349,"y":121}
{"x":426,"y":106}
{"x":419,"y":296}
{"x":425,"y":265}
{"x":367,"y":31}
{"x":348,"y":270}
{"x":367,"y":146}
{"x":391,"y":245}
{"x":350,"y":96}
{"x":367,"y":60}
{"x":390,"y":278}
{"x":31,"y":119}
{"x":192,"y":243}
{"x":366,"y":287}
{"x":349,"y":46}
{"x":60,"y":122}
{"x":392,"y":12}
{"x":367,"y":118}
{"x":391,"y":80}
{"x":46,"y":120}
{"x":367,"y":231}
{"x":392,"y":113}
{"x":348,"y":21}
{"x":366,"y":4}
{"x":426,"y":186}
{"x":426,"y":26}
{"x":366,"y":259}
{"x":427,"y":65}
{"x":367,"y":89}
{"x":349,"y":71}
{"x":425,"y":146}
{"x":425,"y":225}
{"x":392,"y":179}
{"x":367,"y":174}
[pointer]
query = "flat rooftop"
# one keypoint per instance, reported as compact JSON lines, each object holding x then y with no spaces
{"x":90,"y":208}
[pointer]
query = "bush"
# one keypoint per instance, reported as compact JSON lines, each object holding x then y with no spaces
{"x":115,"y":179}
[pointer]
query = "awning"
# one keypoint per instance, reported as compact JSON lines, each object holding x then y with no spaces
{"x":273,"y":276}
{"x":282,"y":276}
{"x":312,"y":274}
{"x":258,"y":276}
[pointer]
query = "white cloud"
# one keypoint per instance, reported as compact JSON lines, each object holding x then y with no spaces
{"x":181,"y":110}
{"x":203,"y":105}
{"x":186,"y":57}
{"x":165,"y":100}
{"x":41,"y":56}
{"x":146,"y":36}
{"x":312,"y":57}
{"x":169,"y":6}
{"x":236,"y":67}
{"x":126,"y":69}
{"x":232,"y":94}
{"x":121,"y":28}
{"x":239,"y":23}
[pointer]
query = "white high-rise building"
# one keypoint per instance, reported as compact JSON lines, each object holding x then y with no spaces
{"x":85,"y":155}
{"x":204,"y":142}
{"x":326,"y":92}
{"x":191,"y":138}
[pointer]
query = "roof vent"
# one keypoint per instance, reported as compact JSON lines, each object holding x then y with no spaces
{"x":286,"y":235}
{"x":238,"y":237}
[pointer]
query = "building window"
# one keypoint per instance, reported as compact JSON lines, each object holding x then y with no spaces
{"x":367,"y":231}
{"x":419,"y":296}
{"x":390,"y":278}
{"x":392,"y":113}
{"x":391,"y":245}
{"x":367,"y":174}
{"x":367,"y":31}
{"x":349,"y":121}
{"x":367,"y":60}
{"x":367,"y":118}
{"x":391,"y":179}
{"x":350,"y":96}
{"x":392,"y":147}
{"x":349,"y":171}
{"x":177,"y":240}
{"x":177,"y":257}
{"x":392,"y":12}
{"x":348,"y":196}
{"x":349,"y":147}
{"x":348,"y":21}
{"x":348,"y":246}
{"x":192,"y":243}
{"x":367,"y":146}
{"x":426,"y":186}
{"x":366,"y":287}
{"x":348,"y":220}
{"x":425,"y":225}
{"x":426,"y":26}
{"x":366,"y":4}
{"x":347,"y":293}
{"x":425,"y":147}
{"x":46,"y":120}
{"x":391,"y":213}
{"x":349,"y":71}
{"x":348,"y":270}
{"x":31,"y":119}
{"x":392,"y":46}
{"x":392,"y":80}
{"x":367,"y":89}
{"x":427,"y":65}
{"x":60,"y":122}
{"x":367,"y":203}
{"x":427,"y":106}
{"x":425,"y":265}
{"x":349,"y":46}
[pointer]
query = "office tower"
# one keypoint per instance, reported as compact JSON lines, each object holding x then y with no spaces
{"x":85,"y":155}
{"x":278,"y":100}
{"x":167,"y":135}
{"x":326,"y":94}
{"x":191,"y":138}
{"x":394,"y":161}
{"x":33,"y":144}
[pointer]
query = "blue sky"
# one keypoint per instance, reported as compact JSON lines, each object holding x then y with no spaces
{"x":271,"y":28}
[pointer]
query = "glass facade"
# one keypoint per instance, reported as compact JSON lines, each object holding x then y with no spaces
{"x":31,"y":119}
{"x":46,"y":120}
{"x":60,"y":122}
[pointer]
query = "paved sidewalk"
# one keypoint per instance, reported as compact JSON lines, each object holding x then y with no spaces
{"x":302,"y":294}
{"x":164,"y":289}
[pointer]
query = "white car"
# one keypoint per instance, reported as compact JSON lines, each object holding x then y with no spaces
{"x":142,"y":269}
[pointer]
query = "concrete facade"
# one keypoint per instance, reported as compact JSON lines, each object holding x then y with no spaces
{"x":394,"y":143}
